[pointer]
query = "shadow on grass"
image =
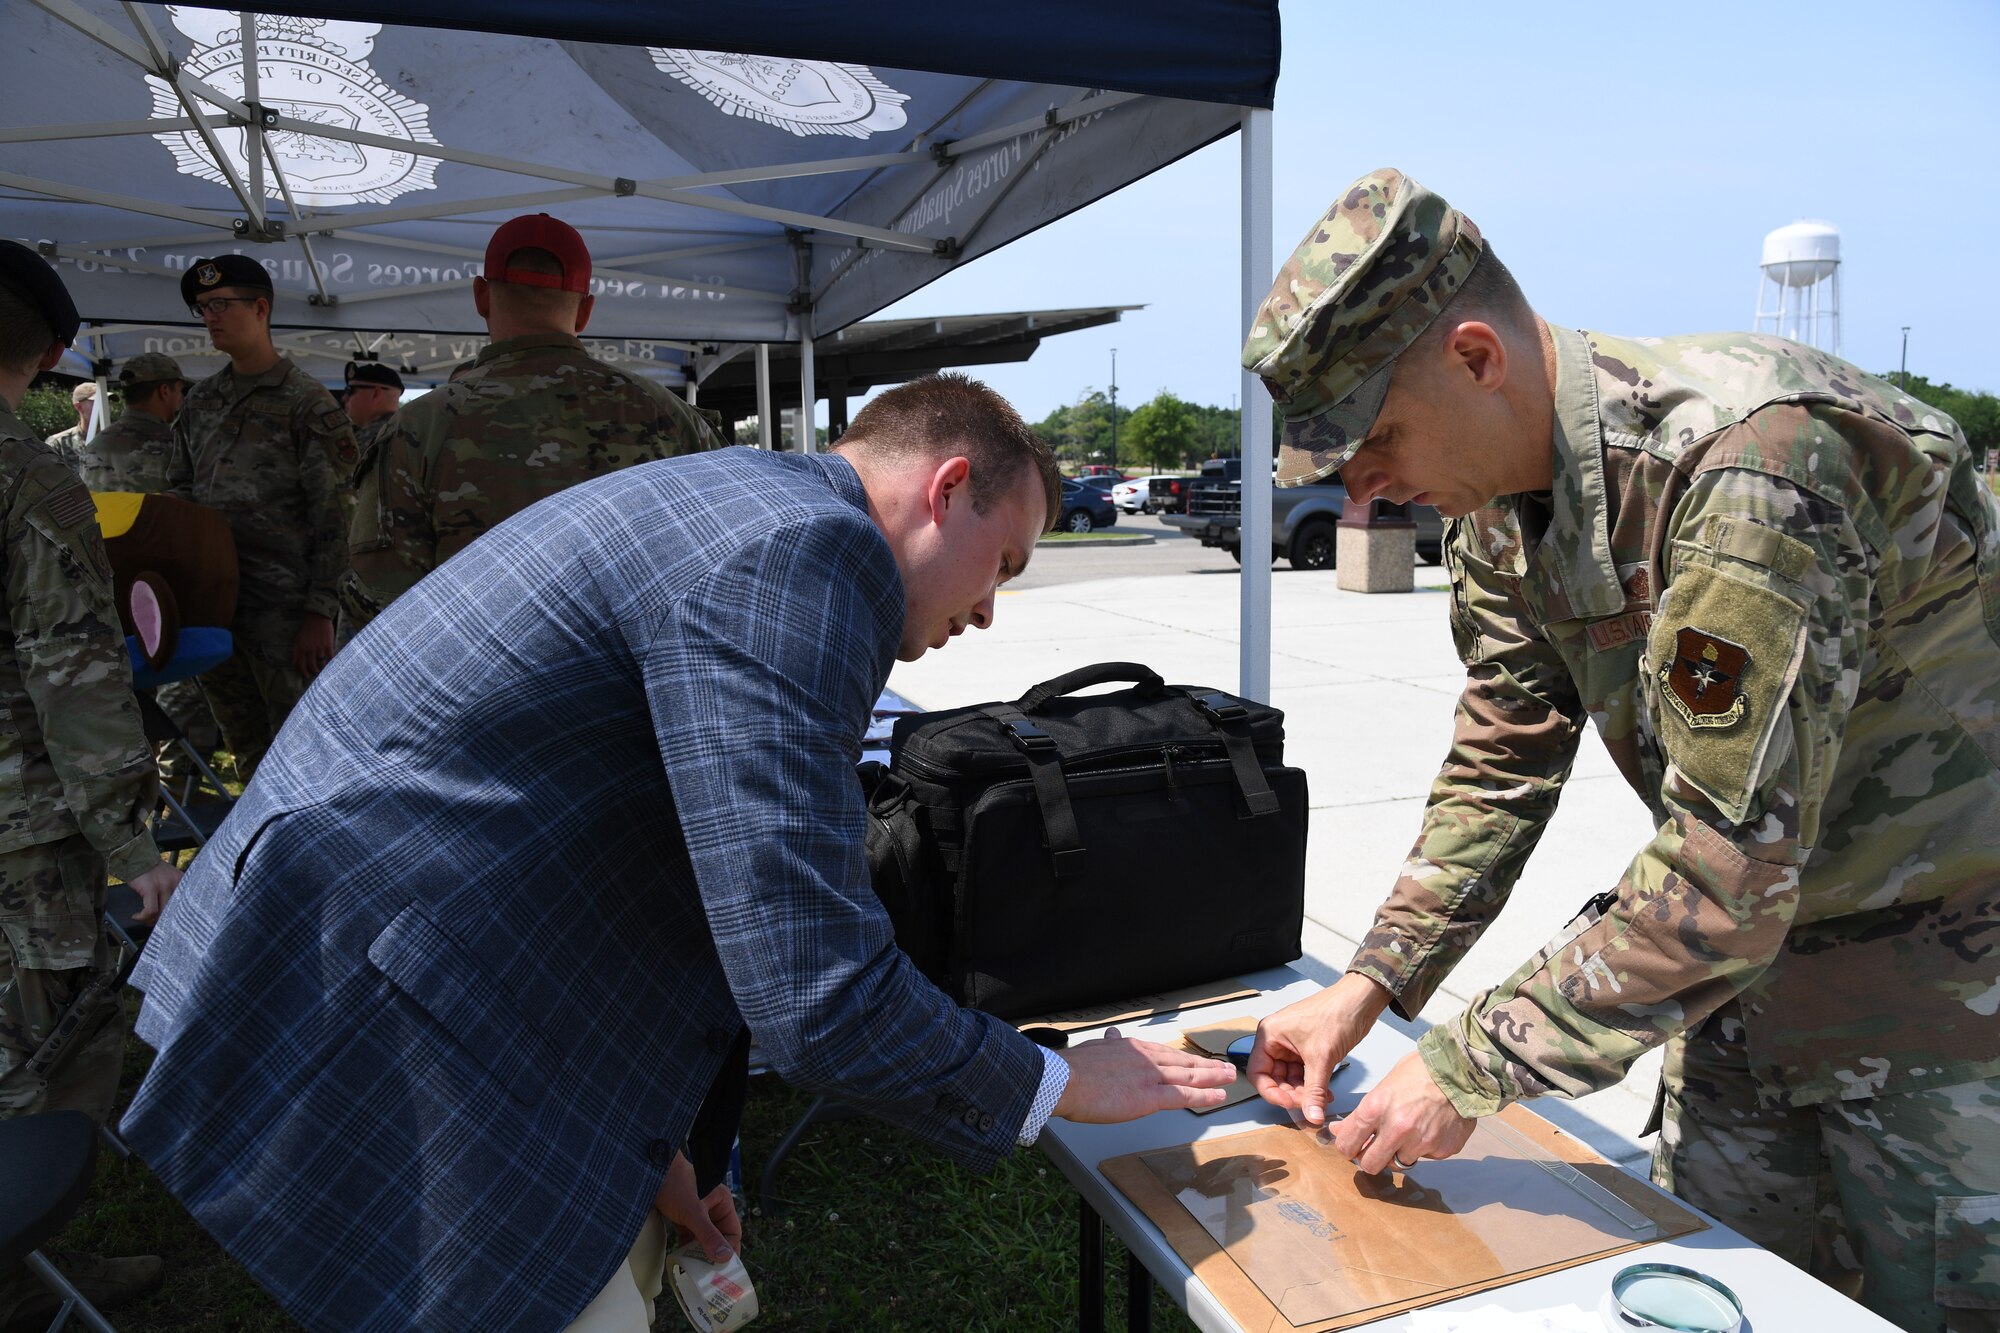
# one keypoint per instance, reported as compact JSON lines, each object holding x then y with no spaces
{"x":876,"y":1231}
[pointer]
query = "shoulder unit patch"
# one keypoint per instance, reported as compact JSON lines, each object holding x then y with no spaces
{"x":1704,"y":679}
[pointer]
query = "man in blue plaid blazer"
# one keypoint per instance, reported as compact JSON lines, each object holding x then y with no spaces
{"x":437,"y":1006}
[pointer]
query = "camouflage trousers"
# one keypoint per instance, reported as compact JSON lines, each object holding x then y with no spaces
{"x":252,"y":694}
{"x":182,"y":701}
{"x":62,"y":1030}
{"x":1899,"y":1193}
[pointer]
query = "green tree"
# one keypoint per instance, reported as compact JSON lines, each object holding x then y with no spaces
{"x":1217,"y":433}
{"x":1977,"y":414}
{"x":1163,"y":432}
{"x":1081,"y":432}
{"x":45,"y":410}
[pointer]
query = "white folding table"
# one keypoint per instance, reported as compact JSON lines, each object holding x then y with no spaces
{"x":1777,"y":1297}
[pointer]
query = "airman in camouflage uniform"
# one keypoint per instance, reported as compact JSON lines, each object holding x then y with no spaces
{"x":264,"y":443}
{"x":78,"y":787}
{"x":532,"y":414}
{"x":68,"y":444}
{"x":1772,"y":583}
{"x":131,"y":453}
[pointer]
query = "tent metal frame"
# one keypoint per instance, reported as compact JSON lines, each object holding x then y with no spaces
{"x":206,"y":110}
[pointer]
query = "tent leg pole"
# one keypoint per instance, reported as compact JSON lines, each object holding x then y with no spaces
{"x":808,"y":389}
{"x":1254,"y":674}
{"x":764,"y":422}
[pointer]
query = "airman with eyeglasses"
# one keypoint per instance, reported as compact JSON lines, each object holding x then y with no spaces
{"x":268,"y":446}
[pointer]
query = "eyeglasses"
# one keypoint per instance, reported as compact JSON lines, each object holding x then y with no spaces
{"x":215,"y":305}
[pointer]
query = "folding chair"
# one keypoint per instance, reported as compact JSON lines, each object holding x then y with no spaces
{"x":45,"y":1166}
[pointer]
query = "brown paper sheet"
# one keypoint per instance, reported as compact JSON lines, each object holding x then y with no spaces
{"x":1213,"y":1039}
{"x":1142,"y":1006}
{"x":1289,"y":1236}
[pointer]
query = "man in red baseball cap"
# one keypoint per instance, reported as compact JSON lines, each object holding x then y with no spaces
{"x":532,"y":414}
{"x":538,"y":231}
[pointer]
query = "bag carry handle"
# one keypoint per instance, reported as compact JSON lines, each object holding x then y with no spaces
{"x":1083,"y":678}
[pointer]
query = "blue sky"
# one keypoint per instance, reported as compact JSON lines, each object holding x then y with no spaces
{"x":1626,"y":161}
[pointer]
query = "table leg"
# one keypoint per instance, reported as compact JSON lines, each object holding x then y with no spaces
{"x":1138,"y":1296}
{"x":1090,"y":1269}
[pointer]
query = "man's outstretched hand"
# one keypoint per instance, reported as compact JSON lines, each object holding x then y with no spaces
{"x":1118,"y":1078}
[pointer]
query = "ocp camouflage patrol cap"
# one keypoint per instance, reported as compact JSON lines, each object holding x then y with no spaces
{"x":206,"y":275}
{"x":150,"y":368}
{"x":1364,"y":283}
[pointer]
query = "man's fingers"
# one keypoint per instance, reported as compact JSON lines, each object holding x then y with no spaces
{"x":720,"y":1206}
{"x":149,"y":906}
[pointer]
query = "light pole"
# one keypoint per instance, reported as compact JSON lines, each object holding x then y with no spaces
{"x":1114,"y":409}
{"x":1906,"y":358}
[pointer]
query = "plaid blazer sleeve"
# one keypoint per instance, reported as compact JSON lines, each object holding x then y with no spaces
{"x":755,"y":678}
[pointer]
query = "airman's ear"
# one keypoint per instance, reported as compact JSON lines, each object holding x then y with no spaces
{"x":1476,"y":349}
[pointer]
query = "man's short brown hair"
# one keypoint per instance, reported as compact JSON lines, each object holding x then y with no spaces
{"x":949,"y":415}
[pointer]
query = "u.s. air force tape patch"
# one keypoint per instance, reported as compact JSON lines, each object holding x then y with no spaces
{"x":1704,"y":679}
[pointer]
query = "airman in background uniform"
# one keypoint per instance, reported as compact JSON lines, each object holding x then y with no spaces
{"x":131,"y":453}
{"x":80,"y":786}
{"x":266,"y":444}
{"x":68,"y":444}
{"x":1772,"y":583}
{"x":372,"y":394}
{"x":532,"y":414}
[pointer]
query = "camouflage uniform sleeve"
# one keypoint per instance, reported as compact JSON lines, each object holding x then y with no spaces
{"x":1749,"y":672}
{"x":394,"y":540}
{"x":324,"y":436}
{"x":180,"y":460}
{"x":1513,"y":740}
{"x":74,"y":666}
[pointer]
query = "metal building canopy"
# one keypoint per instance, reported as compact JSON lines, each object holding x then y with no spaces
{"x":725,"y":196}
{"x":876,"y":352}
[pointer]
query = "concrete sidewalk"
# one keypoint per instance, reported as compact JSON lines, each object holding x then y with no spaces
{"x":1368,"y":685}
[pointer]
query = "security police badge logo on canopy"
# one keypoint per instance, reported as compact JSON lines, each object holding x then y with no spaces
{"x":1705,"y":680}
{"x":312,"y":70}
{"x":803,"y":96}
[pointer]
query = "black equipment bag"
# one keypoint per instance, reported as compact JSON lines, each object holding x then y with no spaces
{"x":1061,"y":851}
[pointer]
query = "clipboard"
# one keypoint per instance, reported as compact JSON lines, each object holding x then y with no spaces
{"x":1289,"y":1236}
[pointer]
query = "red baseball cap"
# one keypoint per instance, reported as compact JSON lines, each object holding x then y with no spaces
{"x":539,"y":231}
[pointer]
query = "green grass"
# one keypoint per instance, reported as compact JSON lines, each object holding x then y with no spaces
{"x":876,"y":1231}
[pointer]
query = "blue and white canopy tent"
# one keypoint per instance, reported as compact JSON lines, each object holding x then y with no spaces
{"x":758,"y":173}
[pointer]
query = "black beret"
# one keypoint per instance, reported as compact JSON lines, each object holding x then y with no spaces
{"x":205,"y":275}
{"x":30,"y":275}
{"x":373,"y":372}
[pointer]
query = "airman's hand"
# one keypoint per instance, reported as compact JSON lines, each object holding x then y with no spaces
{"x":154,"y":888}
{"x":1298,"y":1047}
{"x":1405,"y":1117}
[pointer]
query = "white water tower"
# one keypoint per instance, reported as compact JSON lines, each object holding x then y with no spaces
{"x":1798,"y":296}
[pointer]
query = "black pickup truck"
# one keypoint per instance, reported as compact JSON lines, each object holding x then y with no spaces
{"x":1167,"y":495}
{"x":1302,"y":517}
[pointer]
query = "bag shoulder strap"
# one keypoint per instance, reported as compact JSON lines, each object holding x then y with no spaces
{"x":1051,"y":788}
{"x":1232,"y":722}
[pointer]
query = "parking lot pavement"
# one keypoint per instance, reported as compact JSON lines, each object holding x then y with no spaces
{"x":1368,"y":685}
